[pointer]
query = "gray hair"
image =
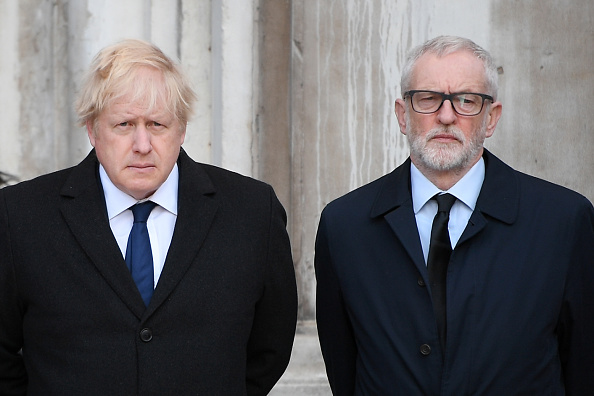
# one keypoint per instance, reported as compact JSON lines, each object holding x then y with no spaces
{"x":445,"y":45}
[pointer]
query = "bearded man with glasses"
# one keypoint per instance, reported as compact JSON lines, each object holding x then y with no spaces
{"x":455,"y":274}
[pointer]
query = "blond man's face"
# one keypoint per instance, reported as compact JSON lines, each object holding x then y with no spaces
{"x":137,"y":146}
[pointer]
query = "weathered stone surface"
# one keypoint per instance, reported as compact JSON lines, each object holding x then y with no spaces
{"x":300,"y":93}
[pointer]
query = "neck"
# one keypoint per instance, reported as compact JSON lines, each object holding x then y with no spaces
{"x":443,"y":179}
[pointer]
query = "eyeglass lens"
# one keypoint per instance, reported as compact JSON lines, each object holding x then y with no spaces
{"x":430,"y":102}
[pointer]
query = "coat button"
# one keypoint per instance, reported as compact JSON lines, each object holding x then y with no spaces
{"x":421,"y":282}
{"x":146,"y":335}
{"x":425,"y":350}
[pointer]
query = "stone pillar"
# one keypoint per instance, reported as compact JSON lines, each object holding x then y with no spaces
{"x":233,"y":90}
{"x":546,"y":86}
{"x":300,"y":93}
{"x":196,"y":59}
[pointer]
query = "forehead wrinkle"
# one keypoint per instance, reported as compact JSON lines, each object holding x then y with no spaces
{"x":438,"y":84}
{"x":455,"y":72}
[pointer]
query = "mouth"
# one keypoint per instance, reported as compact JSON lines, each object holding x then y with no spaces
{"x":141,"y":167}
{"x":443,"y":137}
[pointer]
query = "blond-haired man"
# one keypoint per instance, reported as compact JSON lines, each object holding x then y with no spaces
{"x":82,"y":308}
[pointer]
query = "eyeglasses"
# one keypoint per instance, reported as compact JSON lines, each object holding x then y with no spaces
{"x":464,"y":103}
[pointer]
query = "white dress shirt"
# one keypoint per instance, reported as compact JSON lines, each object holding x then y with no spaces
{"x":160,"y":223}
{"x":466,"y":190}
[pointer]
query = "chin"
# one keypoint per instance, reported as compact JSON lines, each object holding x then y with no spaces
{"x":141,"y":192}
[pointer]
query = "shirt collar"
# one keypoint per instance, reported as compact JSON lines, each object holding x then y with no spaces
{"x":466,"y":189}
{"x":118,"y":201}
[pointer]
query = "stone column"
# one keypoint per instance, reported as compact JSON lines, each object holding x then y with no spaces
{"x":300,"y":93}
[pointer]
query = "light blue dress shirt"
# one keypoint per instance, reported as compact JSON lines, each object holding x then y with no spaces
{"x":160,"y":223}
{"x":466,"y":190}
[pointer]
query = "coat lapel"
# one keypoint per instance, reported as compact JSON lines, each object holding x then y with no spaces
{"x":499,"y":197}
{"x":84,"y":212}
{"x":197,"y":207}
{"x":394,"y":203}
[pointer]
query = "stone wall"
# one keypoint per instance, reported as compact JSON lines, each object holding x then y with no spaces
{"x":300,"y":93}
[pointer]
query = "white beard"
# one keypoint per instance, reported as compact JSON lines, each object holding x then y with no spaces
{"x":446,"y":156}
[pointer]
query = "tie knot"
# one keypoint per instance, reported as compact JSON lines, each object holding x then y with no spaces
{"x":142,"y":211}
{"x":444,"y":202}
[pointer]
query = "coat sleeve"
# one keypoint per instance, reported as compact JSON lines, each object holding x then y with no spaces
{"x":337,"y":340}
{"x":275,"y":318}
{"x":576,"y":324}
{"x":13,"y":377}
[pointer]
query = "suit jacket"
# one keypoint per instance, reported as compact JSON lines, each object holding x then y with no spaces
{"x":222,"y":317}
{"x":520,"y":295}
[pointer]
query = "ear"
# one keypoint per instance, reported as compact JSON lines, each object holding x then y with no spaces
{"x":400,"y":110}
{"x":90,"y":132}
{"x":183,"y":133}
{"x":493,"y":118}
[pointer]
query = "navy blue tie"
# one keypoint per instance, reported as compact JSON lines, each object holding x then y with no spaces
{"x":440,"y":250}
{"x":139,"y":256}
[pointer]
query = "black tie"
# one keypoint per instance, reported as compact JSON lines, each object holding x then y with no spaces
{"x":139,"y":256}
{"x":440,"y":250}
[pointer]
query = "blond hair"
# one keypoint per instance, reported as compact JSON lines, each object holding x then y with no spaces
{"x":114,"y":73}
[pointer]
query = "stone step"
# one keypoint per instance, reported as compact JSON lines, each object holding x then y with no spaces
{"x":306,"y":373}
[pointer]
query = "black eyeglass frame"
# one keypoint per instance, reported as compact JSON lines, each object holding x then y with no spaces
{"x":449,"y":97}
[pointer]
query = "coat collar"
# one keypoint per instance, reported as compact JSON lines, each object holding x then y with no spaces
{"x":394,"y":191}
{"x":499,"y":196}
{"x":498,"y":200}
{"x":197,"y":207}
{"x":394,"y":202}
{"x":85,"y":213}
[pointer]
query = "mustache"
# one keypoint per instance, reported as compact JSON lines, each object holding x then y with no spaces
{"x":449,"y":131}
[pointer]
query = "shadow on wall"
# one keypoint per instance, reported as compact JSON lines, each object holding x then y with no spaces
{"x":6,"y":179}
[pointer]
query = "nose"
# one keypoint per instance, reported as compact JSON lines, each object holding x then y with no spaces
{"x":446,"y":114}
{"x":142,"y":140}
